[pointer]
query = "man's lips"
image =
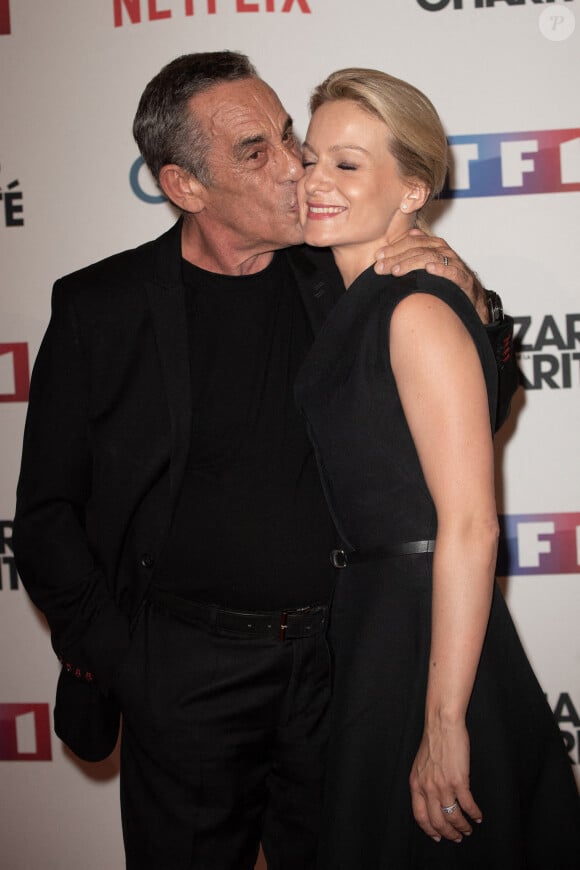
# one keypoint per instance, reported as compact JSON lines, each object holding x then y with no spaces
{"x":320,"y":212}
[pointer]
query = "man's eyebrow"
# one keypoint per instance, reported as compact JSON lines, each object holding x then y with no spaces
{"x":259,"y":138}
{"x":249,"y":141}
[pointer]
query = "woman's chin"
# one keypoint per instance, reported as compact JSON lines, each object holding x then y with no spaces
{"x":317,"y":240}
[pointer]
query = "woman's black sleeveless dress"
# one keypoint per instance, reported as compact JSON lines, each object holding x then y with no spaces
{"x":380,"y":626}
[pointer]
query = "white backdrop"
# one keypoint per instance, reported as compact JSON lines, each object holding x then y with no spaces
{"x":504,"y":75}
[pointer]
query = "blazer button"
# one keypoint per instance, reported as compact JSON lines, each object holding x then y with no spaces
{"x":146,"y":560}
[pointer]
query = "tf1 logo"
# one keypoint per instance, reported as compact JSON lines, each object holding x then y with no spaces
{"x":504,"y":164}
{"x":25,"y":732}
{"x":14,"y":372}
{"x":539,"y":544}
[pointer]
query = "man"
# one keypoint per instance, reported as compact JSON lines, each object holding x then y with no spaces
{"x":170,"y":522}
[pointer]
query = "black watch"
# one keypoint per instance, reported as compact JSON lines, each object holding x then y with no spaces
{"x":494,"y":306}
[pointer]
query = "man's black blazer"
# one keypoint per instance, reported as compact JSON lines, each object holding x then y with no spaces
{"x":105,"y":447}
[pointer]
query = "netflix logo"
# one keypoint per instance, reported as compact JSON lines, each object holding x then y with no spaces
{"x":25,"y":732}
{"x":136,"y":11}
{"x":14,"y":372}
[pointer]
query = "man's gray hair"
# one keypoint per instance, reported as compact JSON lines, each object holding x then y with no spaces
{"x":165,"y":128}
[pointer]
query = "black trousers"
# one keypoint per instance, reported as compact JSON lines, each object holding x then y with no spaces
{"x":223,"y":746}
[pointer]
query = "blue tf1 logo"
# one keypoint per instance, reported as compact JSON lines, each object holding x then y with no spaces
{"x":501,"y":164}
{"x":539,"y":544}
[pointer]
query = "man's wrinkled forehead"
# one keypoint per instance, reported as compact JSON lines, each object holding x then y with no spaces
{"x":246,"y":109}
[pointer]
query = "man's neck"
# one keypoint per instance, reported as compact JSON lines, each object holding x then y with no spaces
{"x":217,"y":253}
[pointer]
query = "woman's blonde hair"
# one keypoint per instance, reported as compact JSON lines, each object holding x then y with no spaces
{"x":416,"y":137}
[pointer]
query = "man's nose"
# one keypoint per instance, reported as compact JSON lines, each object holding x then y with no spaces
{"x":289,"y":161}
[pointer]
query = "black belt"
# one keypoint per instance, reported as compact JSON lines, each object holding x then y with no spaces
{"x":342,"y":559}
{"x":280,"y":624}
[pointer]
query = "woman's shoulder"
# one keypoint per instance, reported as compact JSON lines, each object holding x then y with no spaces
{"x":444,"y":289}
{"x":418,"y":281}
{"x":386,"y":292}
{"x":420,"y":285}
{"x":383,"y":290}
{"x":373,"y":299}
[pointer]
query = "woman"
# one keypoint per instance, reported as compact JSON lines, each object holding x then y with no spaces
{"x":432,"y":688}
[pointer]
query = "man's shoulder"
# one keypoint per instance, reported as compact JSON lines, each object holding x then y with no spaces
{"x":111,"y":267}
{"x":130,"y":267}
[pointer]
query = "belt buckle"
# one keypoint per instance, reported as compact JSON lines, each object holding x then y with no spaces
{"x":338,"y":559}
{"x":284,"y":618}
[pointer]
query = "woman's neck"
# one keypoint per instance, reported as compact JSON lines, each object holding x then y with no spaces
{"x":353,"y":259}
{"x":352,"y":262}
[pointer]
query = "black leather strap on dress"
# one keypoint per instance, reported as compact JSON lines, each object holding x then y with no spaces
{"x":342,"y":559}
{"x":280,"y":624}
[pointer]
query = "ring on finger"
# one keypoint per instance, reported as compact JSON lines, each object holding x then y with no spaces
{"x":445,"y":260}
{"x":450,"y":809}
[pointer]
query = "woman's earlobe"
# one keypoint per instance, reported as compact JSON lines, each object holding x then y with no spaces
{"x":417,"y":197}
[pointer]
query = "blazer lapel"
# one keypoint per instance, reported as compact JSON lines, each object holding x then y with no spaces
{"x":166,"y":300}
{"x":319,"y":282}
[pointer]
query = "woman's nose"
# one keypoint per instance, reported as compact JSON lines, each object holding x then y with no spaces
{"x":316,"y":178}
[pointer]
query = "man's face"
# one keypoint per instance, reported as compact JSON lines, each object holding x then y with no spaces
{"x":254,"y":163}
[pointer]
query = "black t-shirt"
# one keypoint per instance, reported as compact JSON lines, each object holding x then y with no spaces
{"x":252,"y":530}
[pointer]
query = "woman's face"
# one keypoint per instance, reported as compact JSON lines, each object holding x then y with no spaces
{"x":351,"y":193}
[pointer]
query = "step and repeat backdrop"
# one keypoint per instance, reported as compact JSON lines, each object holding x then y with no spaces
{"x":504,"y":75}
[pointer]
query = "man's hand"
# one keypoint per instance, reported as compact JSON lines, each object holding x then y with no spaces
{"x":417,"y":250}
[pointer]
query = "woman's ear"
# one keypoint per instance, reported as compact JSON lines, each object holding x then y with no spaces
{"x":415,"y":197}
{"x":182,"y":188}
